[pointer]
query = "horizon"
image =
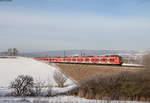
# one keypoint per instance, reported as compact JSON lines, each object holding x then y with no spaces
{"x":78,"y":50}
{"x":44,"y":25}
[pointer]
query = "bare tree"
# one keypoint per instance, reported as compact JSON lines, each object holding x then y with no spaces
{"x":59,"y":78}
{"x":12,"y":52}
{"x":9,"y":52}
{"x":38,"y":85}
{"x":22,"y":85}
{"x":15,"y":52}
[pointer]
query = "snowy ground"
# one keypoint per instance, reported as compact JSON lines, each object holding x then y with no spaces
{"x":10,"y":68}
{"x":132,"y":65}
{"x":59,"y":99}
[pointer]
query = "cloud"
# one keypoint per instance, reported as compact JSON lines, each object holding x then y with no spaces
{"x":79,"y":31}
{"x":66,"y":23}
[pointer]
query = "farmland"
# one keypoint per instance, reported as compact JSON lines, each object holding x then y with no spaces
{"x":81,"y":72}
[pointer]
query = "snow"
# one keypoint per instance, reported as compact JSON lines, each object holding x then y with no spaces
{"x":62,"y":90}
{"x":10,"y":68}
{"x":4,"y":91}
{"x":59,"y":99}
{"x":134,"y":65}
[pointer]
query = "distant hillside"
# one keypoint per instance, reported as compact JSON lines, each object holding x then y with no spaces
{"x":62,"y":53}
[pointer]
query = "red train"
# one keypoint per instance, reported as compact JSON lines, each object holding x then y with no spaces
{"x":112,"y":60}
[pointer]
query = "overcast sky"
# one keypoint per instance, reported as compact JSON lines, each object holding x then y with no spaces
{"x":41,"y":25}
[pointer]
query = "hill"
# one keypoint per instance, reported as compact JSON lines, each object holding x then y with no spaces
{"x":10,"y":68}
{"x":63,"y":53}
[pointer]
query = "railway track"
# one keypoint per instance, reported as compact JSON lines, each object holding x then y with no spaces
{"x":104,"y":66}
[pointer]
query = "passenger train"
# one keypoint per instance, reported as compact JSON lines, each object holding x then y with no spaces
{"x":110,"y":60}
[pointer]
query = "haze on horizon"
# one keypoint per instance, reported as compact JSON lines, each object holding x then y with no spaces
{"x":42,"y":25}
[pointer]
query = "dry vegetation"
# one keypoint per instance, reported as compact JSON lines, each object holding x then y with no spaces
{"x":111,"y":82}
{"x":82,"y":72}
{"x":122,"y":86}
{"x":59,"y":78}
{"x":146,"y":61}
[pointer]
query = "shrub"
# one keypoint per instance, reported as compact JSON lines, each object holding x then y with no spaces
{"x":59,"y":78}
{"x":38,"y":85}
{"x":22,"y":85}
{"x":125,"y":85}
{"x":49,"y":92}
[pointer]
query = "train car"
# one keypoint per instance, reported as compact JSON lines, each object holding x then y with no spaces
{"x":111,"y":60}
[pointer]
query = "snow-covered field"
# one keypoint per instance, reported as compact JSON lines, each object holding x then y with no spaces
{"x":10,"y":68}
{"x":59,"y":99}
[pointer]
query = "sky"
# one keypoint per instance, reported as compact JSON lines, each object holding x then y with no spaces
{"x":42,"y":25}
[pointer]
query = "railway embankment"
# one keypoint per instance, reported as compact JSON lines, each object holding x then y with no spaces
{"x":80,"y":72}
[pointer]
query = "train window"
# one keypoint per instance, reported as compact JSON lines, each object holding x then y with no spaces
{"x":86,"y":59}
{"x":103,"y":59}
{"x":73,"y":59}
{"x":96,"y":59}
{"x":93,"y":59}
{"x":107,"y":59}
{"x":111,"y":60}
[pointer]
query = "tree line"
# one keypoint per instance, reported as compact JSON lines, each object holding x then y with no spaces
{"x":10,"y":52}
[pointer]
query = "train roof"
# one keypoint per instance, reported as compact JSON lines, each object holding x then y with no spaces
{"x":83,"y":56}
